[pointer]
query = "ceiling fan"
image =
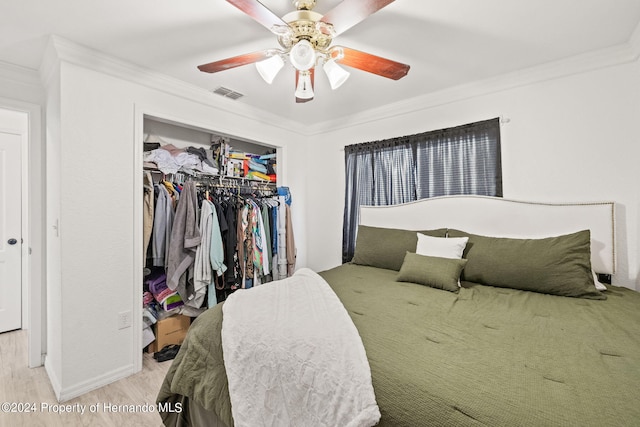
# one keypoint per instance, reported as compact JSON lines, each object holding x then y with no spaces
{"x":305,"y":37}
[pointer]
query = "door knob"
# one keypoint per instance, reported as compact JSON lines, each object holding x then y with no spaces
{"x":12,"y":241}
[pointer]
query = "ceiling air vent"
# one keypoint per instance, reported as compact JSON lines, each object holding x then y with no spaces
{"x":227,"y":93}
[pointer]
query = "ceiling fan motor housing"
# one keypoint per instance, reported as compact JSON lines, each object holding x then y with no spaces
{"x":306,"y":25}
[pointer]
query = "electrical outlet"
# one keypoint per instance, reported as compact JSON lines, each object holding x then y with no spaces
{"x":124,"y":319}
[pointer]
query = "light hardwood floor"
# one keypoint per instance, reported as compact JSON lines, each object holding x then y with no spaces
{"x":20,"y":384}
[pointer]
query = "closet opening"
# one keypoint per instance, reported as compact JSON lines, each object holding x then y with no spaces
{"x":212,"y":219}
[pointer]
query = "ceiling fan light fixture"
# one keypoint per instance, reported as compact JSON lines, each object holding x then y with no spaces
{"x":336,"y":74}
{"x":302,"y":55}
{"x":305,"y":88}
{"x":270,"y":67}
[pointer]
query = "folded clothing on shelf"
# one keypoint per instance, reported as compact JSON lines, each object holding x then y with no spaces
{"x":258,"y":175}
{"x":157,"y":283}
{"x":256,"y":166}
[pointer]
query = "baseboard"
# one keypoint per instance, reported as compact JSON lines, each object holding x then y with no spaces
{"x":94,"y":383}
{"x":53,"y":379}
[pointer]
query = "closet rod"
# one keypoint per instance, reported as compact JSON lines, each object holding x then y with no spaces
{"x":234,"y":186}
{"x":222,"y":181}
{"x":231,"y":181}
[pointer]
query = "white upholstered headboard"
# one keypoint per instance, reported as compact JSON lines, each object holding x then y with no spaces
{"x":494,"y":216}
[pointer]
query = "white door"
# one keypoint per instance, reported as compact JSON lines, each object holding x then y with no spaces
{"x":10,"y":232}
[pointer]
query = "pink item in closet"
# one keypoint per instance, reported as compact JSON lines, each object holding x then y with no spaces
{"x":147,"y":298}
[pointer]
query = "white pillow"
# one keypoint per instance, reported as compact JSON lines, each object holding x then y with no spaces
{"x":599,"y":286}
{"x":443,"y":247}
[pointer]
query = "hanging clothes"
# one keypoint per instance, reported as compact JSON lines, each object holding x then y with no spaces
{"x":185,"y":238}
{"x":147,"y":211}
{"x":267,"y":235}
{"x":290,"y":244}
{"x":211,"y":240}
{"x":216,"y":255}
{"x":162,"y":223}
{"x":240,"y":244}
{"x":202,"y":274}
{"x":247,"y":238}
{"x":259,"y":241}
{"x":282,"y":238}
{"x":274,"y":241}
{"x":230,"y":239}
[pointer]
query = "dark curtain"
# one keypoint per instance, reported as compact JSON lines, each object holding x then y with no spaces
{"x":379,"y":173}
{"x":461,"y":160}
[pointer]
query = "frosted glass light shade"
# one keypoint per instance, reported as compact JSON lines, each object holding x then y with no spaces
{"x":336,"y":74}
{"x":270,"y":67}
{"x":304,"y":89}
{"x":302,"y":55}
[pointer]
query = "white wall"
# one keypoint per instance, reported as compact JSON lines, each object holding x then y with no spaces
{"x":570,"y":139}
{"x":95,"y":262}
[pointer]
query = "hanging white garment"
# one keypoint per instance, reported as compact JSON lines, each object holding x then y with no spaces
{"x":202,"y":272}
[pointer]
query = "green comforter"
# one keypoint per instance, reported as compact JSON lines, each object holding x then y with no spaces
{"x":485,"y":356}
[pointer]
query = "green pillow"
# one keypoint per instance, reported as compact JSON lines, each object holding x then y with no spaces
{"x":386,"y":247}
{"x":555,"y":265}
{"x":436,"y":272}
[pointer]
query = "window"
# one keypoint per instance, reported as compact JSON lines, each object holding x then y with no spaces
{"x":460,"y":160}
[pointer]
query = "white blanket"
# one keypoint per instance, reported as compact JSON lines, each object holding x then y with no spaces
{"x":294,"y":357}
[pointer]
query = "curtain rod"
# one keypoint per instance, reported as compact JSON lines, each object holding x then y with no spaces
{"x":503,"y":121}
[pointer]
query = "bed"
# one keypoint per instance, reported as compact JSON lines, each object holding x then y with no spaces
{"x":504,"y":354}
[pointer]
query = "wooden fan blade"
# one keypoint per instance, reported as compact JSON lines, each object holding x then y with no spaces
{"x":372,"y":64}
{"x":313,"y":73}
{"x":259,"y":12}
{"x":350,"y":12}
{"x":236,"y":61}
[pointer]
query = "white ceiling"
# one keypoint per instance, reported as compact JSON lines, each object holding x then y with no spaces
{"x":447,"y":42}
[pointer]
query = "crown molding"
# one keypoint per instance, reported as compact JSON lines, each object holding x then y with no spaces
{"x":63,"y":50}
{"x":590,"y":61}
{"x":50,"y":64}
{"x":21,"y":75}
